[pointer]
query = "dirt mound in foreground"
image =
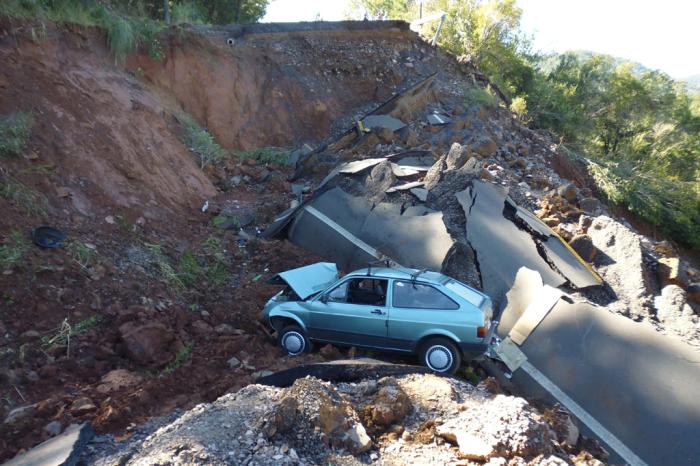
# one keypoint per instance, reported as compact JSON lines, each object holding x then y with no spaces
{"x":412,"y":419}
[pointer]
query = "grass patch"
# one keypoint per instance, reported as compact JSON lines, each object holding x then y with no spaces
{"x":26,"y":198}
{"x":189,"y":271}
{"x":62,"y":335}
{"x":200,"y":141}
{"x":14,"y":249}
{"x":277,"y":155}
{"x":83,"y":254}
{"x":479,"y":96}
{"x":14,"y":132}
{"x":217,"y":271}
{"x":207,"y":267}
{"x":164,"y":270}
{"x":204,"y":266}
{"x":125,"y":33}
{"x":180,"y":359}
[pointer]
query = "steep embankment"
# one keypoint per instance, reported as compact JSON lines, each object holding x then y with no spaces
{"x":107,"y":140}
{"x":265,"y":85}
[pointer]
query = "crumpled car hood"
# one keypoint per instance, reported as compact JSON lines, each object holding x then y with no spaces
{"x":310,"y":279}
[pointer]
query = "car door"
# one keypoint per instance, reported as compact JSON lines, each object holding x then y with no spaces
{"x":354,"y":312}
{"x":418,"y":309}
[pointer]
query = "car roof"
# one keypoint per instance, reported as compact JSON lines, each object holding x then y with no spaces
{"x":400,"y":272}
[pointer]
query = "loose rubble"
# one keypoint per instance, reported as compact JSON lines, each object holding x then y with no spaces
{"x":412,"y":419}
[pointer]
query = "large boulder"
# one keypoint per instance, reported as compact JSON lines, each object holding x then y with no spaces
{"x":484,"y":146}
{"x":590,"y":205}
{"x":568,"y":191}
{"x":518,"y":431}
{"x":150,"y":344}
{"x":673,"y":271}
{"x":457,"y":156}
{"x":334,"y":416}
{"x":619,"y":261}
{"x":583,"y":245}
{"x":389,"y":407}
{"x":672,"y":306}
{"x":118,"y":379}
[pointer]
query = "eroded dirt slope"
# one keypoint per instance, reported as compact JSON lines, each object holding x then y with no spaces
{"x":106,"y":140}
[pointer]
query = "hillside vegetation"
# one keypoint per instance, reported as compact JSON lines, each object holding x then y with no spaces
{"x":638,"y":130}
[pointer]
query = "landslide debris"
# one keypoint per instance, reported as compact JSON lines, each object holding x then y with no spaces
{"x":139,"y":316}
{"x":410,"y":419}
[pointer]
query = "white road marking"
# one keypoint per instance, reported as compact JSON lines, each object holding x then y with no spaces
{"x":596,"y":427}
{"x":346,"y":234}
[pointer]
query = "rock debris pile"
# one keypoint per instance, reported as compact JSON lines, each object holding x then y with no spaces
{"x":403,"y":420}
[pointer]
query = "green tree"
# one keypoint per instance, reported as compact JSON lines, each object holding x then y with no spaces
{"x":234,"y":11}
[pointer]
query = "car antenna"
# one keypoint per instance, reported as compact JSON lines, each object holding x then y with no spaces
{"x":415,"y":274}
{"x":386,"y":262}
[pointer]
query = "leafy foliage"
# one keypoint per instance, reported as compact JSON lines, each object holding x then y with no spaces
{"x":479,"y":96}
{"x":277,"y":155}
{"x":189,"y":12}
{"x":14,"y":132}
{"x":181,"y":358}
{"x":638,"y":130}
{"x":200,"y":141}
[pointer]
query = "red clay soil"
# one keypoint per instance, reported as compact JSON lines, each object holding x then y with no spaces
{"x":105,"y":155}
{"x":277,"y":88}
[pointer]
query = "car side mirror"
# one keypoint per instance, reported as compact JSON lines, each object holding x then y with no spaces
{"x":323,"y":298}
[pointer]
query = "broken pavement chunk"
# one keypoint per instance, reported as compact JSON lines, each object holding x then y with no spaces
{"x":420,"y":193}
{"x":64,"y":449}
{"x":349,"y":231}
{"x":501,"y":247}
{"x":438,"y":119}
{"x":405,"y":186}
{"x":383,"y":121}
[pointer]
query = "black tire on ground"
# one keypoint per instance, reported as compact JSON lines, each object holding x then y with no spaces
{"x":440,"y":355}
{"x":293,"y":341}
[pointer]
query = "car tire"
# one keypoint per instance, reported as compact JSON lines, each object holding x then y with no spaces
{"x":440,"y":355}
{"x":293,"y":341}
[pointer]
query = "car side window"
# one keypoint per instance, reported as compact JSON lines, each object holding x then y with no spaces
{"x":364,"y":291}
{"x":420,"y":296}
{"x":339,"y":293}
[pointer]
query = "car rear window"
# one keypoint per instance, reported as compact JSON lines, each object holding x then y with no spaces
{"x":419,"y":296}
{"x":465,"y":292}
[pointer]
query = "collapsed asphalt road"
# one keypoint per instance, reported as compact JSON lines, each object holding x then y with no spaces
{"x":626,"y":384}
{"x":633,"y":388}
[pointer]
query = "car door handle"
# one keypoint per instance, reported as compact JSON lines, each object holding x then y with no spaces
{"x":378,"y":312}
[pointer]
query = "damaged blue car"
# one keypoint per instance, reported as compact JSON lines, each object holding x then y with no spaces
{"x":429,"y":314}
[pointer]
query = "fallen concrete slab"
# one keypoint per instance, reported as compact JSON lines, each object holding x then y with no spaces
{"x":383,"y":121}
{"x":632,"y":387}
{"x":62,"y":450}
{"x":351,"y":231}
{"x":501,"y":247}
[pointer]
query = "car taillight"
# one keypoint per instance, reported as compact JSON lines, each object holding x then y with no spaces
{"x":481,"y":331}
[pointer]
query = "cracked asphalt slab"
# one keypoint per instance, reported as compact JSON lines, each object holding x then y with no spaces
{"x":630,"y":386}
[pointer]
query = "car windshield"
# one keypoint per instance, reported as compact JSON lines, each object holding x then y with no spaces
{"x":465,"y":292}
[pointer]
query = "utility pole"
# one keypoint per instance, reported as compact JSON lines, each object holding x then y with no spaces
{"x":166,"y":11}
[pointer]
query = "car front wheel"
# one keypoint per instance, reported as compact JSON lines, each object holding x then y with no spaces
{"x":440,"y":355}
{"x":293,"y":340}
